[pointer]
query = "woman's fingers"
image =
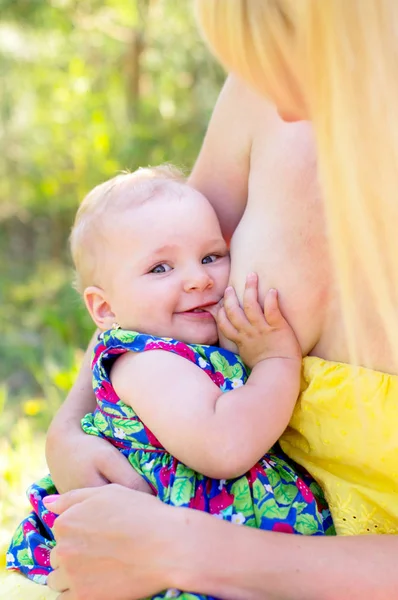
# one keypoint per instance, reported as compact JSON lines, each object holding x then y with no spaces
{"x":56,"y":580}
{"x":59,"y":504}
{"x":54,"y":559}
{"x":115,"y":468}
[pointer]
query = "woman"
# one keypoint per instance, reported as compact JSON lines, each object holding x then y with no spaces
{"x":332,"y":63}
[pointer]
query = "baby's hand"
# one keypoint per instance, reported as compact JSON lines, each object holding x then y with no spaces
{"x":258,"y":335}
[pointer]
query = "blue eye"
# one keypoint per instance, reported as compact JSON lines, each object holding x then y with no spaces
{"x":162,"y":268}
{"x":209,"y":259}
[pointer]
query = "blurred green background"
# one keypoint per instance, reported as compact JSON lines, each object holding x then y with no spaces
{"x":89,"y":88}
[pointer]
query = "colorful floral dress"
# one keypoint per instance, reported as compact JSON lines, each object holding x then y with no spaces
{"x":274,"y":495}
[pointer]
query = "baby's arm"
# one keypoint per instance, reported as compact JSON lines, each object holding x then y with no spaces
{"x":221,"y":435}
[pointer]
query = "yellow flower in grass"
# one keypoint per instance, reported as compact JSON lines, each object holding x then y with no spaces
{"x":33,"y":407}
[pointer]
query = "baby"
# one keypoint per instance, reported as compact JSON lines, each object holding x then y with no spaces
{"x":198,"y":422}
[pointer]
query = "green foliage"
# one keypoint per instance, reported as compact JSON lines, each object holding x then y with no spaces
{"x":89,"y":88}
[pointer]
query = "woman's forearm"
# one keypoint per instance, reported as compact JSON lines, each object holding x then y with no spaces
{"x":80,"y":399}
{"x":79,"y":402}
{"x":240,"y":563}
{"x":77,"y":460}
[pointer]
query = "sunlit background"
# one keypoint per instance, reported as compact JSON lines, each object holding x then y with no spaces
{"x":89,"y":88}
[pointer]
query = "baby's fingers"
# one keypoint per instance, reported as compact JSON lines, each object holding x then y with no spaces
{"x":233,"y":310}
{"x":251,"y":306}
{"x":225,"y":326}
{"x":272,"y":312}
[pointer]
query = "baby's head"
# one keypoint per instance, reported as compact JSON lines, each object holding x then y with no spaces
{"x":150,"y":256}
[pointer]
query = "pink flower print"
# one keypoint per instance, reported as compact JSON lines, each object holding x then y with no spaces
{"x":179,"y":348}
{"x":198,"y":501}
{"x":28,"y":527}
{"x":117,"y":443}
{"x":221,"y":502}
{"x":157,"y":346}
{"x":167,"y":471}
{"x":49,"y":518}
{"x":164,"y":476}
{"x":185,"y":351}
{"x":33,"y":498}
{"x":39,"y":571}
{"x":251,"y":476}
{"x":217,"y":377}
{"x":153,"y":441}
{"x":98,"y":351}
{"x":42,"y":556}
{"x":116,"y":351}
{"x":283,"y":528}
{"x":305,"y":491}
{"x":107,"y":393}
{"x":254,"y":472}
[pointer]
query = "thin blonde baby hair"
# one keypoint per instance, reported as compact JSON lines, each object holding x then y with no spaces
{"x":112,"y":196}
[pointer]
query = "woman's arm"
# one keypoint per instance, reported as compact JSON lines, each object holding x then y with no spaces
{"x":221,"y":171}
{"x":76,"y":459}
{"x":240,"y":563}
{"x":144,"y":546}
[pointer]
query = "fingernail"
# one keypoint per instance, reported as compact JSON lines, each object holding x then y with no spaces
{"x":251,"y":275}
{"x":228,"y":290}
{"x":50,"y":499}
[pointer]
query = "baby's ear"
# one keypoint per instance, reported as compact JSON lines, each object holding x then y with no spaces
{"x":98,"y":307}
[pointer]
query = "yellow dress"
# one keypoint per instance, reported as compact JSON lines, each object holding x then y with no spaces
{"x":344,"y":431}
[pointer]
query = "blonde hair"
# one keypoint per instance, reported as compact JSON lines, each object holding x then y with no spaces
{"x":343,"y":55}
{"x":110,"y":198}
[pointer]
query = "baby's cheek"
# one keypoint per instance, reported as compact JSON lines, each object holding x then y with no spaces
{"x":227,"y":344}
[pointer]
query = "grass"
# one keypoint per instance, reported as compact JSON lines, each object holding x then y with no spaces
{"x":22,"y":461}
{"x":24,"y":419}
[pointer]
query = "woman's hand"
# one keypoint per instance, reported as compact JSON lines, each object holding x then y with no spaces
{"x":77,"y":460}
{"x":116,"y":543}
{"x":112,"y":542}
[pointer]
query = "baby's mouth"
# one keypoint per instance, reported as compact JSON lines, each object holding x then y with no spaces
{"x":209,"y":309}
{"x":213,"y":309}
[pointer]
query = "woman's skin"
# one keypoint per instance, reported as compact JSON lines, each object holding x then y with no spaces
{"x":264,"y":188}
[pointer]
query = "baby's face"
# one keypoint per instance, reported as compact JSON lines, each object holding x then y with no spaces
{"x":166,"y":267}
